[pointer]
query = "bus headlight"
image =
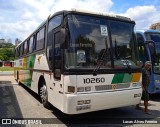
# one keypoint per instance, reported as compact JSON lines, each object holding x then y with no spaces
{"x":71,"y":89}
{"x":136,"y":84}
{"x":88,"y":88}
{"x":84,"y":89}
{"x":157,"y":81}
{"x":80,"y":89}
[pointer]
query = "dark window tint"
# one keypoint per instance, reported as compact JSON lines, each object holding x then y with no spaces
{"x":143,"y":55}
{"x":54,"y":22}
{"x":18,"y":51}
{"x":15,"y":52}
{"x":57,"y":51}
{"x":21,"y":49}
{"x":25,"y":47}
{"x":153,"y":36}
{"x":140,"y":38}
{"x":40,"y":39}
{"x":31,"y":45}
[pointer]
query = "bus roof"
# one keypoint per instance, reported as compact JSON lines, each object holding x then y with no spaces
{"x":119,"y":17}
{"x":147,"y":30}
{"x":95,"y":13}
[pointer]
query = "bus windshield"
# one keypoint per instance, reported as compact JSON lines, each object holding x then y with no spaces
{"x":122,"y":43}
{"x":156,"y":57}
{"x":90,"y":44}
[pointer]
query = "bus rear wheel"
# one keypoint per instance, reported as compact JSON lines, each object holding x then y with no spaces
{"x":44,"y":95}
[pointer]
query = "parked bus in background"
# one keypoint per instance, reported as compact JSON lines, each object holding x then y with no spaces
{"x":81,"y":62}
{"x":149,"y":49}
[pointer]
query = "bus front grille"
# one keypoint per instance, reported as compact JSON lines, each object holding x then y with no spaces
{"x":112,"y":87}
{"x":103,"y":87}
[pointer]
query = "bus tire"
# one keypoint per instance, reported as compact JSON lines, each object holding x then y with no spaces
{"x":43,"y":93}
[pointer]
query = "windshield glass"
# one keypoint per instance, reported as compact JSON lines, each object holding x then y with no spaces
{"x":89,"y":43}
{"x":155,"y":57}
{"x":123,"y":43}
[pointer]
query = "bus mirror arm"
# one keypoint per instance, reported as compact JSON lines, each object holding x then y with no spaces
{"x":63,"y":36}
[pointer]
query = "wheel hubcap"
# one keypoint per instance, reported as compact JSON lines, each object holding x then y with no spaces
{"x":43,"y":93}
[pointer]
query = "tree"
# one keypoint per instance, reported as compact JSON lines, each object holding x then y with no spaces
{"x":1,"y":58}
{"x":6,"y":54}
{"x":6,"y":50}
{"x":6,"y":45}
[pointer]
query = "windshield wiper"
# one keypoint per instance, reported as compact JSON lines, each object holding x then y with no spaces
{"x":101,"y":60}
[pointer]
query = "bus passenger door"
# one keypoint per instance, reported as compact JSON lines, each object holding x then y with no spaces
{"x":58,"y":78}
{"x":55,"y":60}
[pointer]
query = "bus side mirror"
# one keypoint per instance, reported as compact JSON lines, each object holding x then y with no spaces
{"x":63,"y":38}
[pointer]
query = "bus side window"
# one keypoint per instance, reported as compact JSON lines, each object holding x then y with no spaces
{"x":53,"y":24}
{"x":18,"y":51}
{"x":140,"y":38}
{"x":40,"y":39}
{"x":57,"y":56}
{"x":21,"y":49}
{"x":143,"y":55}
{"x":31,"y":45}
{"x":26,"y":47}
{"x":15,"y":53}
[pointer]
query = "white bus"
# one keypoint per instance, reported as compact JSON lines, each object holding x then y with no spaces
{"x":81,"y":62}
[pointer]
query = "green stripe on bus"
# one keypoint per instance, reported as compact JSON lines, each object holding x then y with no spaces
{"x":30,"y":61}
{"x":118,"y":78}
{"x":127,"y":78}
{"x":30,"y":65}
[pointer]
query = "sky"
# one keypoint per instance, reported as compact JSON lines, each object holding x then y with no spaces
{"x":19,"y":18}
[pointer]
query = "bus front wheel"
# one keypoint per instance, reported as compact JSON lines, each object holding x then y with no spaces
{"x":44,"y":94}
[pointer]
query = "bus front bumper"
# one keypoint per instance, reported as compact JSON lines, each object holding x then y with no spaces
{"x":82,"y":103}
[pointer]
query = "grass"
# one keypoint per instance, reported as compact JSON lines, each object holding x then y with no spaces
{"x":6,"y":68}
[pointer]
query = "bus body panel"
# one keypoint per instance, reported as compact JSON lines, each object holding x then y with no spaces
{"x":157,"y":83}
{"x":55,"y":91}
{"x":30,"y":77}
{"x":103,"y":95}
{"x":154,"y":86}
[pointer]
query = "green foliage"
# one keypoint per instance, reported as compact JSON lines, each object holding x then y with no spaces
{"x":6,"y":51}
{"x":6,"y":45}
